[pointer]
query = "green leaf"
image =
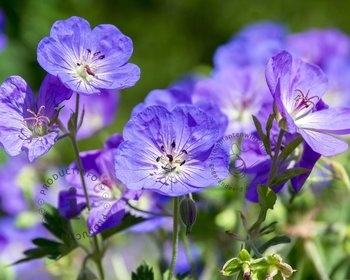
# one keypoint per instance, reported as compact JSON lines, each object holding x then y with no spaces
{"x":287,"y":175}
{"x":51,"y":249}
{"x":143,"y":272}
{"x":274,"y":241}
{"x":269,"y":124}
{"x":290,"y":148}
{"x":267,"y":197}
{"x":231,"y":267}
{"x":56,"y":224}
{"x":127,"y":222}
{"x":269,"y":228}
{"x":264,"y":138}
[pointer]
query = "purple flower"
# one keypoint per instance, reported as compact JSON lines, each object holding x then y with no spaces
{"x":3,"y":39}
{"x":182,"y":93}
{"x":170,"y":152}
{"x":88,"y":61}
{"x":107,"y":195}
{"x":254,"y":45}
{"x":259,"y":171}
{"x":12,"y":200}
{"x":338,"y":73}
{"x":13,"y":241}
{"x":319,"y":46}
{"x":28,"y":125}
{"x":100,"y":111}
{"x":156,"y":203}
{"x":297,"y":88}
{"x":239,"y":93}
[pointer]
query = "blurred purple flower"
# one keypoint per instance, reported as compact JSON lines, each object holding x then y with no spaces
{"x":88,"y":61}
{"x":319,"y":46}
{"x":182,"y":93}
{"x":239,"y":93}
{"x":107,"y":195}
{"x":182,"y":265}
{"x":27,"y":125}
{"x":338,"y":73}
{"x":12,"y":200}
{"x":154,"y":202}
{"x":3,"y":39}
{"x":100,"y":111}
{"x":13,"y":241}
{"x":170,"y":152}
{"x":252,"y":46}
{"x":297,"y":87}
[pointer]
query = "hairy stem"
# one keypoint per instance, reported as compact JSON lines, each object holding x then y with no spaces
{"x":175,"y":237}
{"x":97,"y":252}
{"x":274,"y":167}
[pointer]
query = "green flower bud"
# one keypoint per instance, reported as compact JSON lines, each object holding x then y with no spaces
{"x":188,"y":213}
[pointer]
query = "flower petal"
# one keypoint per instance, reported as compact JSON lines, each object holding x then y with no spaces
{"x":308,"y":160}
{"x":51,"y":93}
{"x":334,"y":120}
{"x":323,"y":144}
{"x":106,"y":216}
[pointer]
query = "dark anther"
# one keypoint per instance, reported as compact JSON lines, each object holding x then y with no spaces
{"x":162,"y":148}
{"x":173,"y":144}
{"x":158,"y":159}
{"x":89,"y":51}
{"x":183,"y":162}
{"x":89,"y":71}
{"x":78,"y":64}
{"x":170,"y":157}
{"x":184,"y":151}
{"x":97,"y":53}
{"x":101,"y":57}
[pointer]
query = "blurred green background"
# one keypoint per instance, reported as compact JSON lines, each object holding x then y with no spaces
{"x":171,"y":37}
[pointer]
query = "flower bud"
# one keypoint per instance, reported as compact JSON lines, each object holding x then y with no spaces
{"x":188,"y":213}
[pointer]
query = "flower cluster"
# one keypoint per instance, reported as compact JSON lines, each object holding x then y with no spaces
{"x":265,"y":83}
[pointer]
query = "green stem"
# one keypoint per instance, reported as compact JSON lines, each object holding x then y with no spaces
{"x":80,"y":168}
{"x":274,"y":167}
{"x":76,"y":111}
{"x":72,"y":135}
{"x":175,"y":237}
{"x":188,"y":253}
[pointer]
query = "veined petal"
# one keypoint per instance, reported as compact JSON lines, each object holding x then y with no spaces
{"x":111,"y":77}
{"x":17,"y":96}
{"x":39,"y":146}
{"x":51,"y":93}
{"x":196,"y":132}
{"x":278,"y":71}
{"x":333,"y":120}
{"x":106,"y":216}
{"x":322,"y":143}
{"x":114,"y":45}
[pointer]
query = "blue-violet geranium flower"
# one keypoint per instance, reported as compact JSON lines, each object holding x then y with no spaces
{"x":28,"y":125}
{"x":170,"y":151}
{"x":86,"y":60}
{"x":297,"y":88}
